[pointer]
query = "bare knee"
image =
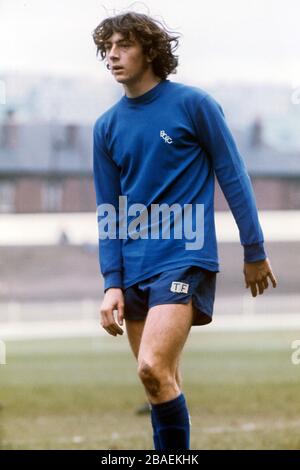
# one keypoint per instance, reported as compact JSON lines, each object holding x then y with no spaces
{"x":155,"y":378}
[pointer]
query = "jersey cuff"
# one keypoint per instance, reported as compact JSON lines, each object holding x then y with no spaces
{"x":113,"y":279}
{"x":254,"y":252}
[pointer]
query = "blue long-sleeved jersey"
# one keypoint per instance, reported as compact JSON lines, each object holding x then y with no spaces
{"x":165,"y":147}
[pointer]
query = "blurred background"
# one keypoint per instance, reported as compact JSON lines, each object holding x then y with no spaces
{"x":59,"y":365}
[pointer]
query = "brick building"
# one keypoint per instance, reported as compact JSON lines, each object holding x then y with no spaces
{"x":47,"y":167}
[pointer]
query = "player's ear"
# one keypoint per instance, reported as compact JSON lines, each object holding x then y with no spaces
{"x":151,"y":55}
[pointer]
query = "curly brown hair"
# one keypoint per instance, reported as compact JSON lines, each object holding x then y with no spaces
{"x":155,"y":39}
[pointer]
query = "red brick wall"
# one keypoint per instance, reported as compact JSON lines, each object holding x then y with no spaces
{"x":28,"y":194}
{"x":270,"y":194}
{"x":79,"y":195}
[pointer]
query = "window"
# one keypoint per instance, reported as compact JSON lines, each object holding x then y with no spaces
{"x":7,"y":196}
{"x":52,"y":196}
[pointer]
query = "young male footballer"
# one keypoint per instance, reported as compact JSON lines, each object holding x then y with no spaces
{"x":156,"y":154}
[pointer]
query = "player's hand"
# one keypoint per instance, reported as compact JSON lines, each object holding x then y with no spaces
{"x":113,"y":300}
{"x":257,"y":274}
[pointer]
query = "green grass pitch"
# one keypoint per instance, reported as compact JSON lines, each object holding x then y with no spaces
{"x":242,"y":390}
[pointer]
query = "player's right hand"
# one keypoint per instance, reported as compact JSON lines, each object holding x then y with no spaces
{"x":113,"y":300}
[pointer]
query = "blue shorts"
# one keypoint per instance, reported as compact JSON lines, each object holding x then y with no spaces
{"x":177,"y":286}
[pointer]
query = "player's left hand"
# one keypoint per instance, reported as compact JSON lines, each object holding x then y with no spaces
{"x":257,"y":274}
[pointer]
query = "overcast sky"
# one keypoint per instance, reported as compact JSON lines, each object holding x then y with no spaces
{"x":221,"y":40}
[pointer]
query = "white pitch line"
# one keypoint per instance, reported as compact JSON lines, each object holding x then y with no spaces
{"x":91,"y":328}
{"x":46,"y":229}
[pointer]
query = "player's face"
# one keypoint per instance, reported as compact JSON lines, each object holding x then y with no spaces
{"x":126,"y":59}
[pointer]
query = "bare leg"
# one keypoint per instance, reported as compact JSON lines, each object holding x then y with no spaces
{"x":164,"y":335}
{"x":134,"y":330}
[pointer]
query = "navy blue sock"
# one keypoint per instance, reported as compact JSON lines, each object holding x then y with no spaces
{"x":172,"y":424}
{"x":155,"y":433}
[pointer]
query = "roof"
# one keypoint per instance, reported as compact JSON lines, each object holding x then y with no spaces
{"x":264,"y":160}
{"x":49,"y":148}
{"x":45,"y":148}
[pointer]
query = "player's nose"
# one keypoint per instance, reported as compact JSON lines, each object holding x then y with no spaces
{"x":114,"y":52}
